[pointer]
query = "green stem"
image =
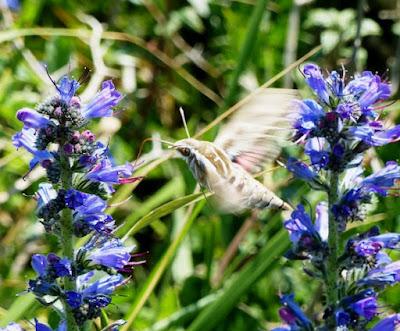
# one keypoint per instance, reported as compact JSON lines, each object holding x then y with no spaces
{"x":67,"y":236}
{"x":332,"y":288}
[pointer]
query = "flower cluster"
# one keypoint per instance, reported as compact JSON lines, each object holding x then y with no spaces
{"x":335,"y":130}
{"x":81,"y":177}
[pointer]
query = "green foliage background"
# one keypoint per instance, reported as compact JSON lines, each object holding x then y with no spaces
{"x":203,"y":55}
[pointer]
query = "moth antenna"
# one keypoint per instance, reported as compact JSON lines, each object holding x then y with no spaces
{"x":184,"y":121}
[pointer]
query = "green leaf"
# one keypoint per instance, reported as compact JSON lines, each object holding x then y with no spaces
{"x":165,"y":193}
{"x":18,"y":308}
{"x":161,"y":211}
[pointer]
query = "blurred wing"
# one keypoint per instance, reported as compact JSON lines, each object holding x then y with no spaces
{"x":258,"y":129}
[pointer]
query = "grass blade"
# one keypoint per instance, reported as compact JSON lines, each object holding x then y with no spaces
{"x":161,"y":211}
{"x":165,"y":193}
{"x":18,"y":308}
{"x":219,"y":309}
{"x":160,"y":267}
{"x":247,"y":49}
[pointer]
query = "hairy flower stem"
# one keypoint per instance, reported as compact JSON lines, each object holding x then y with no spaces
{"x":333,"y":242}
{"x":67,"y":236}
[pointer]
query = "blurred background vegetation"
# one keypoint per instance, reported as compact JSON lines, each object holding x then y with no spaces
{"x":203,"y":55}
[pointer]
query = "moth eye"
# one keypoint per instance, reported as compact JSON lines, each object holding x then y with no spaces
{"x":184,"y":151}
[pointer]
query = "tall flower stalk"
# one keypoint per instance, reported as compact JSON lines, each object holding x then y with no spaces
{"x":81,"y":176}
{"x":336,"y":129}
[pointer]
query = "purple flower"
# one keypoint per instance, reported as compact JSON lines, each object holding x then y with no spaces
{"x":58,"y":266}
{"x":377,"y":90}
{"x":39,"y":264}
{"x":108,"y":252}
{"x":100,"y":152}
{"x":43,"y":327}
{"x":316,"y":81}
{"x":384,"y":179}
{"x":32,"y":119}
{"x":368,"y":88}
{"x":101,"y":223}
{"x":346,"y":111}
{"x":378,"y":183}
{"x":105,"y":285}
{"x":26,"y":138}
{"x":372,"y":245}
{"x":84,"y":203}
{"x":74,"y":299}
{"x":372,"y":134}
{"x":300,"y":169}
{"x":94,"y":294}
{"x":342,"y":318}
{"x":349,"y":300}
{"x":367,"y":307}
{"x":336,"y":83}
{"x":294,"y":311}
{"x":309,"y":118}
{"x":314,"y":148}
{"x":303,"y":234}
{"x":105,"y":172}
{"x":67,"y":88}
{"x":287,"y":316}
{"x":88,"y":213}
{"x":381,"y":259}
{"x":348,"y":207}
{"x":45,"y":194}
{"x":103,"y":101}
{"x":300,"y":227}
{"x":386,"y":275}
{"x":389,"y":323}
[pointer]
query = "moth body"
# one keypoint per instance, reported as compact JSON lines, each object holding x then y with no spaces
{"x":234,"y":188}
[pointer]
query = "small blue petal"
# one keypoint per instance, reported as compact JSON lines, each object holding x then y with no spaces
{"x":389,"y":323}
{"x":32,"y":119}
{"x":74,"y":299}
{"x":103,"y":102}
{"x":84,"y":203}
{"x":67,"y":88}
{"x":316,"y":81}
{"x":39,"y":264}
{"x":300,"y":169}
{"x":41,"y":326}
{"x":105,"y":285}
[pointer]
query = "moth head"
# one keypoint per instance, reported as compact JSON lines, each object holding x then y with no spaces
{"x":186,"y":147}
